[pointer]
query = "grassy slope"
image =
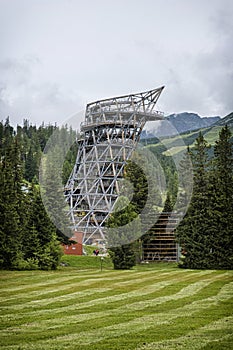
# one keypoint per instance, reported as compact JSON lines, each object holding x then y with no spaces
{"x":87,"y":262}
{"x":175,"y":145}
{"x":151,"y":307}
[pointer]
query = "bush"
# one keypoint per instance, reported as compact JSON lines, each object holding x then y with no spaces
{"x":51,"y":257}
{"x":28,"y":264}
{"x":123,"y":257}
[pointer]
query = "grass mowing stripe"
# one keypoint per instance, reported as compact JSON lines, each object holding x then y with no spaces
{"x":184,"y":292}
{"x":99,"y":301}
{"x":86,"y":292}
{"x":83,"y":280}
{"x":84,"y":317}
{"x":145,"y":290}
{"x":103,"y":300}
{"x":55,"y":281}
{"x":62,"y":316}
{"x":165,"y":274}
{"x":199,"y":338}
{"x":38,"y":274}
{"x":131,"y":327}
{"x":47,"y":301}
{"x":40,"y":284}
{"x":87,"y":282}
{"x":146,"y":322}
{"x":112,"y":325}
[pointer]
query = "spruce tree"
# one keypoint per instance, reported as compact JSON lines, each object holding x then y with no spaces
{"x":192,"y":233}
{"x":123,"y":234}
{"x":222,"y":202}
{"x":168,"y":205}
{"x":139,"y":183}
{"x":40,"y":242}
{"x":52,"y":192}
{"x":12,"y":213}
{"x":186,"y":181}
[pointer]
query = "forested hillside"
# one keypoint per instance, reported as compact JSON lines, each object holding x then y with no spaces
{"x":174,"y":146}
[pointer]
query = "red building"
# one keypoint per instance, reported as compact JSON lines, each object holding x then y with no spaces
{"x":76,"y":248}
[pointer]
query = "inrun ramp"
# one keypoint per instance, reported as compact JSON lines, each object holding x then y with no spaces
{"x":109,"y":135}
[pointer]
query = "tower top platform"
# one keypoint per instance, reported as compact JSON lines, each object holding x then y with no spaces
{"x":116,"y":110}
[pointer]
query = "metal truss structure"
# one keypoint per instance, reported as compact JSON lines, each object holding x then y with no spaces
{"x":109,"y":135}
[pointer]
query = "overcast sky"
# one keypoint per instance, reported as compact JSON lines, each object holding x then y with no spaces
{"x":58,"y":55}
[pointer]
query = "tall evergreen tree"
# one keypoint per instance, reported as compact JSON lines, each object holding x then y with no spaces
{"x":32,"y":159}
{"x":185,"y":180}
{"x":12,"y":213}
{"x":192,"y":233}
{"x":52,"y":193}
{"x":221,"y":180}
{"x":139,"y":183}
{"x":40,"y":241}
{"x":123,"y":234}
{"x":168,"y":205}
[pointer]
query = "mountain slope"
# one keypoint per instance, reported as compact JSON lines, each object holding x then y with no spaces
{"x":176,"y":144}
{"x":228,"y":120}
{"x":178,"y":123}
{"x":190,"y":121}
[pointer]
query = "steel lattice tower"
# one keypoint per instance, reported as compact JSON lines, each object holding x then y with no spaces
{"x":109,"y":135}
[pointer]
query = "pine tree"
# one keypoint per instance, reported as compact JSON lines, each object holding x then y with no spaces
{"x":30,"y":166}
{"x":186,"y":181}
{"x":32,"y":159}
{"x":168,"y":205}
{"x":12,"y":213}
{"x":123,"y":234}
{"x":40,"y":242}
{"x":192,"y":233}
{"x":52,"y":193}
{"x":222,"y":202}
{"x":139,"y":183}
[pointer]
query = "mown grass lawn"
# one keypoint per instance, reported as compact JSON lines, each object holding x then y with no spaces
{"x":150,"y":307}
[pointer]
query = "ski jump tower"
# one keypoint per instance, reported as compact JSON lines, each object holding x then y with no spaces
{"x":109,"y":135}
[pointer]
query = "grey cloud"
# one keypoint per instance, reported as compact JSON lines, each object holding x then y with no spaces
{"x":185,"y":46}
{"x":23,"y":95}
{"x":202,"y":82}
{"x":215,"y":68}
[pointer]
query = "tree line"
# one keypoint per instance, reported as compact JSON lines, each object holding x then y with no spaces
{"x":206,"y":232}
{"x":28,"y":238}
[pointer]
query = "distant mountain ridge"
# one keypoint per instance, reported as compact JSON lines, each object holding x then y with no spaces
{"x":178,"y":123}
{"x":228,"y":120}
{"x":175,"y":145}
{"x":191,"y":121}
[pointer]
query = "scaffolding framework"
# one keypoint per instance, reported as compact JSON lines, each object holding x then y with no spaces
{"x":109,"y":135}
{"x":161,"y":244}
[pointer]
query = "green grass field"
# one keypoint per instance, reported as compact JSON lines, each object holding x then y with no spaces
{"x":150,"y":307}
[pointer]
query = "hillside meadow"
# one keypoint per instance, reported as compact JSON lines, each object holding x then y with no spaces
{"x":80,"y":306}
